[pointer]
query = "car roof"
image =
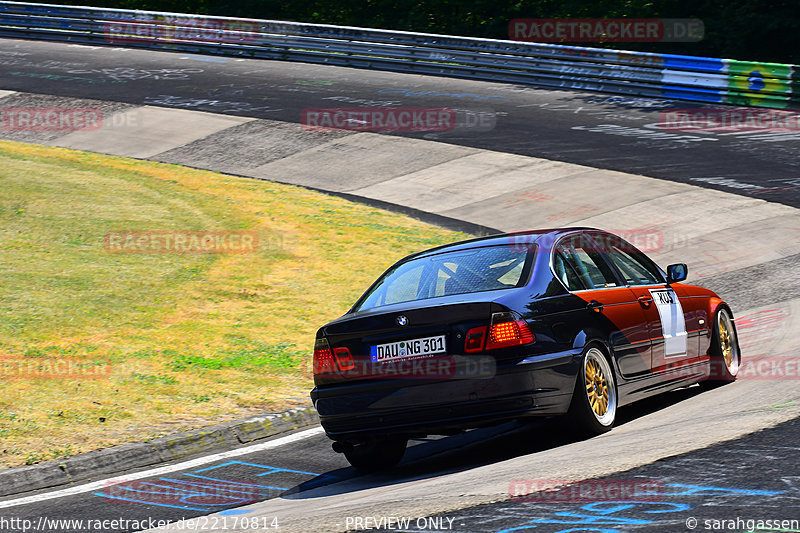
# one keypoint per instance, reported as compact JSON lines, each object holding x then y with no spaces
{"x":513,"y":238}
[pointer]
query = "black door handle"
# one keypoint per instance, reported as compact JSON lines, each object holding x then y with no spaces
{"x":594,"y":305}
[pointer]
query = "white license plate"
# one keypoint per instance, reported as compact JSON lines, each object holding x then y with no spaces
{"x":410,"y":348}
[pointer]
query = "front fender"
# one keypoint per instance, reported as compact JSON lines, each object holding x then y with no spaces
{"x":714,"y":303}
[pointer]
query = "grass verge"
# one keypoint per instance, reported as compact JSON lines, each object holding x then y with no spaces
{"x":160,"y":342}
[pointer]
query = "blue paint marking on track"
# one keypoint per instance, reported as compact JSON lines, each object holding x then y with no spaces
{"x":269,"y":487}
{"x":200,"y":492}
{"x":271,"y":469}
{"x":131,"y":500}
{"x":605,"y":513}
{"x":624,"y":505}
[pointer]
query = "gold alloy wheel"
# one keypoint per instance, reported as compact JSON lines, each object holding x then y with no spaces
{"x":601,"y":393}
{"x":728,"y":347}
{"x":596,"y":387}
{"x":725,"y":343}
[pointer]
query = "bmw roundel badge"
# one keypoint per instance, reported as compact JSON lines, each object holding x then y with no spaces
{"x":402,"y":320}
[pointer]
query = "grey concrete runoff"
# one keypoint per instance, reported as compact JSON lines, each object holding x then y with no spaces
{"x":126,"y":457}
{"x":145,"y":131}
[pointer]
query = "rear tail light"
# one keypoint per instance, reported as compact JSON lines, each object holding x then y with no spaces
{"x":507,"y":330}
{"x":323,"y":357}
{"x":476,"y":339}
{"x":327,"y":360}
{"x":344,"y":358}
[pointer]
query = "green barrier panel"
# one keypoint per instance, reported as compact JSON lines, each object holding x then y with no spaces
{"x":756,"y":100}
{"x":759,"y":84}
{"x":767,"y":70}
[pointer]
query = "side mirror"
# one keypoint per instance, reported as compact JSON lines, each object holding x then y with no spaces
{"x":677,"y":272}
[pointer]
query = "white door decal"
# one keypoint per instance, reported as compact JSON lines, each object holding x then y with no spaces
{"x":673,"y":323}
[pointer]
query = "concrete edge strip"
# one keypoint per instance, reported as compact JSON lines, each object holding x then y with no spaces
{"x":126,"y":457}
{"x":443,"y":221}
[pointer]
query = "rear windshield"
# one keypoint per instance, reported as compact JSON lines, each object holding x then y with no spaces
{"x":448,"y":273}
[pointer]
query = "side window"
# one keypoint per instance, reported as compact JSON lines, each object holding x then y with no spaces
{"x":587,"y":262}
{"x":636,"y":270}
{"x":635,"y":267}
{"x":566,"y":273}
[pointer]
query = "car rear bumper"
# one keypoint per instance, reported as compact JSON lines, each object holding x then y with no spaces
{"x":358,"y":410}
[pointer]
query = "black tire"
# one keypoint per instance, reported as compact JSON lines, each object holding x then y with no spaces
{"x":726,"y":358}
{"x":377,"y":455}
{"x":593,"y":409}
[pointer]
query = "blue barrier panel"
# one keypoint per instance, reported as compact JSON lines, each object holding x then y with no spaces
{"x":696,"y":64}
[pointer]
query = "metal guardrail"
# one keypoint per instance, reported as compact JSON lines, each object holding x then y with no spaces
{"x":704,"y":79}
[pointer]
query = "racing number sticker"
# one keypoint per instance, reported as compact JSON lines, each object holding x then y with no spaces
{"x":673,"y":323}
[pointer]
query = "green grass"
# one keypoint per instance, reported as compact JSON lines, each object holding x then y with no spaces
{"x":180,"y":340}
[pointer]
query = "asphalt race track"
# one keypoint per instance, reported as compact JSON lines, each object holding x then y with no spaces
{"x":593,"y":129}
{"x":698,"y":447}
